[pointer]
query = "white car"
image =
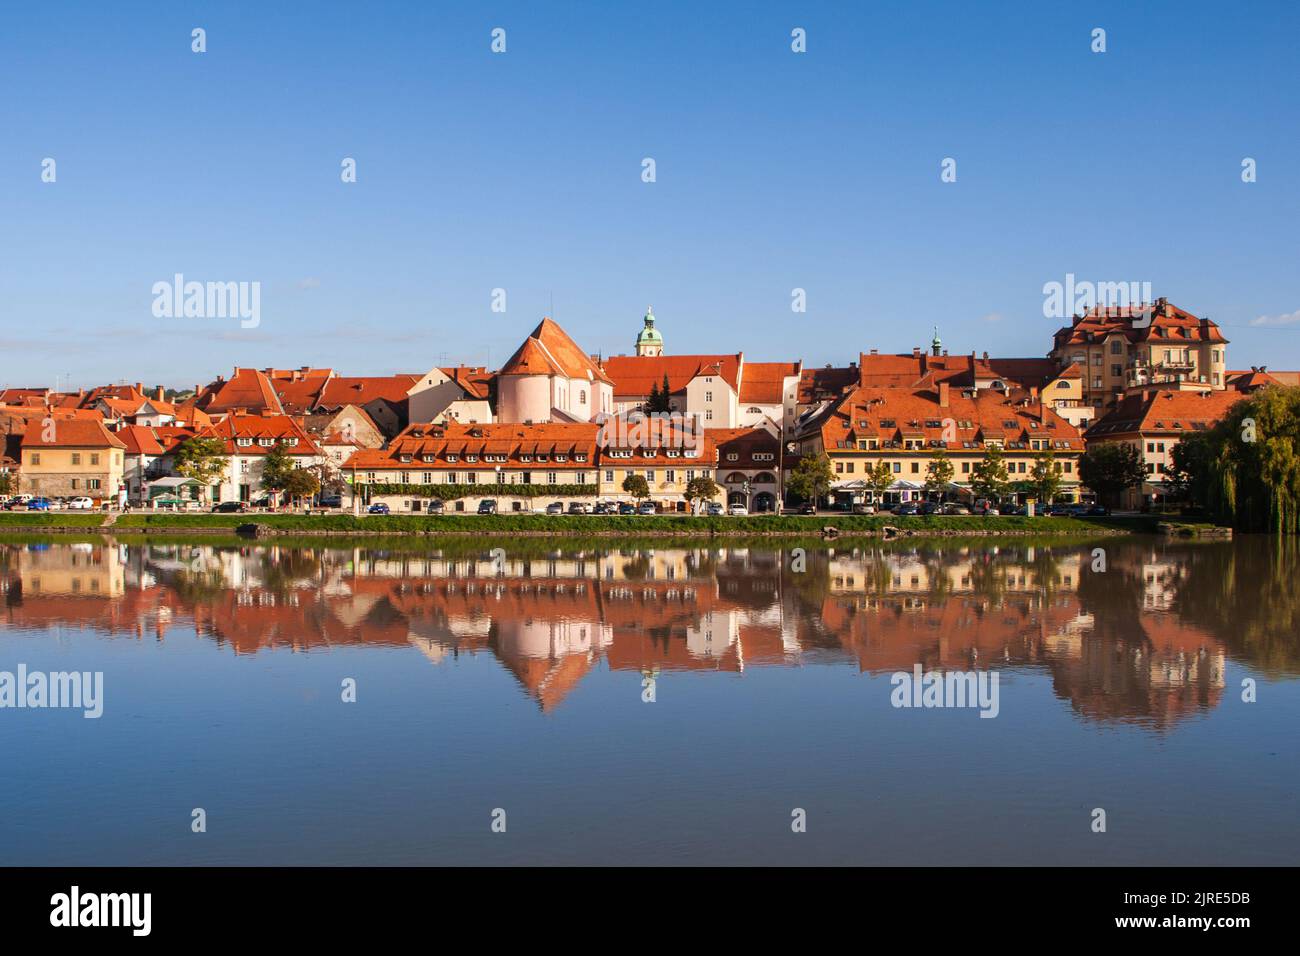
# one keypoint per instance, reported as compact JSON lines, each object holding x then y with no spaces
{"x":81,"y":504}
{"x":740,"y":510}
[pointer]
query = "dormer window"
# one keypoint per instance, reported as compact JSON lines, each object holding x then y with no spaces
{"x":243,"y":442}
{"x":266,"y":442}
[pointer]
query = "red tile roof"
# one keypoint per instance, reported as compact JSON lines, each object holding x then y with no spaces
{"x":1167,"y":322}
{"x":362,"y":390}
{"x":763,"y":383}
{"x":279,"y":428}
{"x":634,"y":375}
{"x":1165,"y":412}
{"x":70,"y":433}
{"x":248,"y":389}
{"x":450,"y":445}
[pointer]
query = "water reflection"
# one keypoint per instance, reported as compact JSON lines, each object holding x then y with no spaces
{"x":1144,"y":641}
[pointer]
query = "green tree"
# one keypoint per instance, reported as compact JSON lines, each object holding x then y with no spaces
{"x":1045,"y":477}
{"x":699,"y":490}
{"x":203,"y":459}
{"x":653,"y":402}
{"x":277,"y":466}
{"x":811,"y":478}
{"x":988,"y":477}
{"x":878,"y":478}
{"x":300,"y":483}
{"x":7,"y":483}
{"x":636,"y":486}
{"x":938,"y":472}
{"x":1188,"y":479}
{"x":1112,"y":468}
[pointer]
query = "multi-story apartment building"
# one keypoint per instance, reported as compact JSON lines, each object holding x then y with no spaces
{"x":526,"y":467}
{"x":247,"y":439}
{"x":1155,"y":421}
{"x":749,"y":469}
{"x":1132,"y":347}
{"x":906,"y":427}
{"x":71,"y":457}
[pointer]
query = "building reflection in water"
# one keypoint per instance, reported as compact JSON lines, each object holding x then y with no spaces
{"x":1144,"y":641}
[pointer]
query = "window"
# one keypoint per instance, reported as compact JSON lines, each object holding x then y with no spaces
{"x":451,"y":477}
{"x":551,"y":478}
{"x":708,"y":415}
{"x":650,"y":475}
{"x":36,"y":458}
{"x":732,"y":456}
{"x":1116,"y":371}
{"x":93,"y":483}
{"x":670,"y":476}
{"x":708,"y":396}
{"x":609,"y":476}
{"x":1117,"y":347}
{"x":76,"y":458}
{"x":427,"y":478}
{"x":582,"y":396}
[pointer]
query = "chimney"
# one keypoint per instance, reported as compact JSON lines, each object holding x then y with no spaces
{"x":916,"y":351}
{"x":139,"y":387}
{"x":161,"y":396}
{"x":943,"y":394}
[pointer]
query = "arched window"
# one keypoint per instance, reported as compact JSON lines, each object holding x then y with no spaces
{"x":582,"y":396}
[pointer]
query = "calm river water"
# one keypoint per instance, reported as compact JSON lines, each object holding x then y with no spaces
{"x":404,"y":702}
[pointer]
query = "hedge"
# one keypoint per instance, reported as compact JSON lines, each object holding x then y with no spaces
{"x":452,"y":492}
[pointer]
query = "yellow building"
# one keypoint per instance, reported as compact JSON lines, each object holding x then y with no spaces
{"x":69,"y":458}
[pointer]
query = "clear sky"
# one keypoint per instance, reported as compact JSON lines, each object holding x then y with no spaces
{"x":523,"y":171}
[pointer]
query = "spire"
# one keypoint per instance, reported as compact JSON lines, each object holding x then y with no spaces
{"x":936,"y":344}
{"x":649,"y":341}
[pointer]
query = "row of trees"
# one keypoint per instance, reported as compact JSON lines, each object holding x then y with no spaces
{"x":1245,"y":470}
{"x":205,"y":460}
{"x":812,"y":478}
{"x":698,"y":489}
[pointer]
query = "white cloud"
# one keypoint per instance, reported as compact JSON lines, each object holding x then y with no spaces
{"x":1291,"y":318}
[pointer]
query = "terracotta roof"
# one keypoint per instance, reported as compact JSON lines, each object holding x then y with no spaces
{"x":744,"y":443}
{"x":1164,"y":412}
{"x":821,"y":384}
{"x":890,"y":414}
{"x":476,"y":381}
{"x":548,"y":350}
{"x":140,"y":440}
{"x":1167,"y":322}
{"x":248,"y":389}
{"x":531,"y":359}
{"x":70,"y":433}
{"x":275,"y":427}
{"x":362,"y":390}
{"x":634,"y":375}
{"x":431,"y":446}
{"x":763,"y":383}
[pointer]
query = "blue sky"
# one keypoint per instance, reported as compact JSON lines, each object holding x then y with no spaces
{"x":522,"y":171}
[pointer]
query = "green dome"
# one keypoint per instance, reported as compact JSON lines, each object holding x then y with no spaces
{"x":649,"y":335}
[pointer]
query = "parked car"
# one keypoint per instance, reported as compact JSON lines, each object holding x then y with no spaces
{"x":739,"y":510}
{"x":808,"y":508}
{"x":626,"y":508}
{"x":646,"y":508}
{"x":39,"y":504}
{"x":436,"y":507}
{"x":330,"y":501}
{"x":555,"y":508}
{"x":930,"y":508}
{"x":604,"y":508}
{"x":229,"y":507}
{"x":906,"y":508}
{"x":954,"y":508}
{"x":713,"y":508}
{"x":378,"y":508}
{"x":81,"y":504}
{"x":488,"y":506}
{"x":864,"y":508}
{"x":1095,"y":511}
{"x":578,"y":508}
{"x":985,"y":508}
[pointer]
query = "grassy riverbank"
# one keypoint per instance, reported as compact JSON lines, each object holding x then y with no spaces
{"x":648,"y":525}
{"x":42,"y":520}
